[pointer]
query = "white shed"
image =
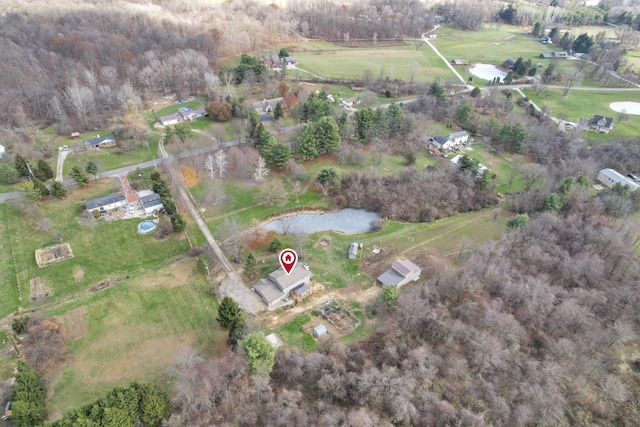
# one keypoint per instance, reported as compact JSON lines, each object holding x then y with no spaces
{"x":320,"y":331}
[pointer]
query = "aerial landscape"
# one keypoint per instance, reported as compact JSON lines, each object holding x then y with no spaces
{"x":320,"y":213}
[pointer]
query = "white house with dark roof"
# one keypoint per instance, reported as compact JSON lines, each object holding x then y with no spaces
{"x":601,"y":124}
{"x":278,"y":285}
{"x":402,"y":271}
{"x":151,"y":203}
{"x":106,"y":203}
{"x":611,"y":177}
{"x":95,"y":143}
{"x":450,"y":142}
{"x":181,"y":116}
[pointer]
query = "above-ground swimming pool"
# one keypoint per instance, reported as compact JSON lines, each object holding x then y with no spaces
{"x":146,"y":226}
{"x":184,"y":109}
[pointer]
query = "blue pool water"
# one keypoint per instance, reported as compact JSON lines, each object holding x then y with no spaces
{"x":184,"y":109}
{"x":146,"y":226}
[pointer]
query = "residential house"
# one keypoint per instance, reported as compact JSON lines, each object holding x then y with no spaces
{"x":266,"y":105}
{"x":460,"y":62}
{"x":450,"y":142}
{"x":151,"y":203}
{"x":106,"y":203}
{"x":561,"y":55}
{"x":508,"y":64}
{"x":75,"y":135}
{"x":290,"y":60}
{"x":96,"y":143}
{"x":401,"y":272}
{"x":545,"y":40}
{"x":353,"y":250}
{"x":181,"y":116}
{"x":610,"y":177}
{"x":546,"y":56}
{"x":601,"y":124}
{"x":278,"y":285}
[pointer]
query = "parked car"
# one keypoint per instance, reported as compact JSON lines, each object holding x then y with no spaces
{"x":63,"y":148}
{"x":633,"y":177}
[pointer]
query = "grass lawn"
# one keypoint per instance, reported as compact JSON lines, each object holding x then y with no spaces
{"x":134,"y":331}
{"x":8,"y":285}
{"x":293,"y":334}
{"x":583,"y":104}
{"x":351,"y":63}
{"x":113,"y":249}
{"x":501,"y":165}
{"x":172,"y":109}
{"x":110,"y":158}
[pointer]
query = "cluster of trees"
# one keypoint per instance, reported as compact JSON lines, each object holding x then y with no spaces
{"x":274,"y":152}
{"x":528,"y":14}
{"x":528,"y":332}
{"x":28,"y":399}
{"x":160,"y":186}
{"x":371,"y":19}
{"x":381,"y":123}
{"x":415,"y":196}
{"x":138,"y":404}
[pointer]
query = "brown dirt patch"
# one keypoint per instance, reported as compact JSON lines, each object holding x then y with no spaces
{"x":53,"y":254}
{"x":39,"y":289}
{"x":324,"y":242}
{"x":174,"y":275}
{"x":74,"y":323}
{"x":78,"y":273}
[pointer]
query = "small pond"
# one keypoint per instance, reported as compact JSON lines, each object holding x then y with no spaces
{"x":346,"y":221}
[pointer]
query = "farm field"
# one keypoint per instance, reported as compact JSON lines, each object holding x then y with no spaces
{"x":490,"y":44}
{"x":351,"y":63}
{"x":583,"y":104}
{"x":171,"y":307}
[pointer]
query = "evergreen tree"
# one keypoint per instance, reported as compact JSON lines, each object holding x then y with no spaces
{"x":327,"y":135}
{"x":518,"y":221}
{"x":476,"y":92}
{"x":251,"y":267}
{"x":308,"y":144}
{"x":436,"y":90}
{"x":178,"y":223}
{"x":39,"y":188}
{"x":277,"y":112}
{"x":390,"y":295}
{"x":463,"y":113}
{"x":29,"y":393}
{"x":278,"y":155}
{"x":228,"y":311}
{"x":21,"y":165}
{"x":260,"y":354}
{"x":537,"y":29}
{"x":275,"y":245}
{"x":468,"y":164}
{"x":78,"y":176}
{"x":283,"y":53}
{"x":155,"y":406}
{"x":553,"y":203}
{"x":365,"y":124}
{"x":44,"y":170}
{"x":8,"y":174}
{"x":91,"y":168}
{"x":237,"y":331}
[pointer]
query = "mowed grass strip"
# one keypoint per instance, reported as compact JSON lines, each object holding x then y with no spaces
{"x":112,"y":249}
{"x":9,"y":302}
{"x":136,"y":332}
{"x":396,"y":62}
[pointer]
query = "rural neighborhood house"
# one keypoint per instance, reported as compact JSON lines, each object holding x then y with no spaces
{"x":401,"y":272}
{"x":610,"y":177}
{"x":278,"y":285}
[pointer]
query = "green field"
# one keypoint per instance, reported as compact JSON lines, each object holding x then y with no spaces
{"x":134,"y":332}
{"x":397,"y":62}
{"x":490,"y":44}
{"x":585,"y":104}
{"x":508,"y":179}
{"x":111,"y":158}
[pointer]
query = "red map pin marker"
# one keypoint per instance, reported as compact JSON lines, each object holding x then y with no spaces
{"x":288,"y":260}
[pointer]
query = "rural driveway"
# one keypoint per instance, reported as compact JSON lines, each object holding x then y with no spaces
{"x":464,"y":82}
{"x":232,"y":286}
{"x":62,"y":155}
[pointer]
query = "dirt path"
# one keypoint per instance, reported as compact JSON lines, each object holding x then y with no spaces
{"x":62,"y":155}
